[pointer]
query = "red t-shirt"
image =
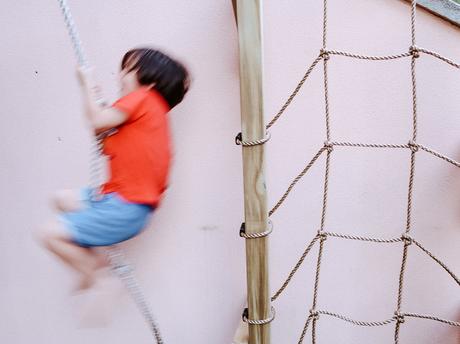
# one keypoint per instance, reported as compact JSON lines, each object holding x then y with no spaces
{"x":140,"y":152}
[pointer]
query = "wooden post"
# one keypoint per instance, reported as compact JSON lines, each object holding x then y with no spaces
{"x":249,"y":19}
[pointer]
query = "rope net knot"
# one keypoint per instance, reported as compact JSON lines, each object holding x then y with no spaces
{"x":314,"y":314}
{"x":407,"y":239}
{"x":413,"y":146}
{"x":329,"y":146}
{"x":324,"y":54}
{"x":322,"y":235}
{"x":414,"y":51}
{"x":399,"y":317}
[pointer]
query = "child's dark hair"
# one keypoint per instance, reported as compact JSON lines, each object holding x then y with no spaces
{"x":170,"y":78}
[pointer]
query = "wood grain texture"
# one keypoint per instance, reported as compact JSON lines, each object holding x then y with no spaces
{"x":249,"y":18}
{"x":445,"y":9}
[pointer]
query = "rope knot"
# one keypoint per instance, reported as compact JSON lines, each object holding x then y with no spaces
{"x":413,"y":146}
{"x":399,"y":317}
{"x":322,"y":235}
{"x":406,"y":238}
{"x":329,"y":146}
{"x":314,"y":314}
{"x":415,"y":52}
{"x":324,"y":54}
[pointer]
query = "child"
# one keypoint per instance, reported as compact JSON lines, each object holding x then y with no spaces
{"x":139,"y":159}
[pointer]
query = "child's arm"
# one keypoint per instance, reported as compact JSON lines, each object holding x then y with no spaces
{"x":99,"y":117}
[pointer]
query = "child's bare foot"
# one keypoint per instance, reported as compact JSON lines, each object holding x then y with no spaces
{"x":86,"y":281}
{"x":100,"y":261}
{"x":96,"y":305}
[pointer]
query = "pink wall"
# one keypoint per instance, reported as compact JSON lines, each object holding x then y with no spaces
{"x":191,"y":261}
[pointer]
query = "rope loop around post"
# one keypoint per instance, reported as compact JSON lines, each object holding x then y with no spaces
{"x":415,"y":51}
{"x":246,"y":319}
{"x":265,"y":233}
{"x":239,"y":140}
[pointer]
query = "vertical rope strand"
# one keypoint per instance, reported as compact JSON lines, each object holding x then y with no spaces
{"x":398,"y":327}
{"x":413,"y":13}
{"x":326,"y":190}
{"x":73,"y":33}
{"x":414,"y":96}
{"x":95,"y":169}
{"x":125,"y":273}
{"x":304,"y":330}
{"x":326,"y":174}
{"x":318,"y":270}
{"x":401,"y":276}
{"x":400,"y":320}
{"x":410,"y":192}
{"x":414,"y":149}
{"x":324,"y":23}
{"x":326,"y":97}
{"x":313,"y":330}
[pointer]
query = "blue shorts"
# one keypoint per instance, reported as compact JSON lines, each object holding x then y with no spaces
{"x":105,"y":221}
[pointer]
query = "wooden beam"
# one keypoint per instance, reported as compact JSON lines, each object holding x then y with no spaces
{"x":445,"y":9}
{"x":249,"y":18}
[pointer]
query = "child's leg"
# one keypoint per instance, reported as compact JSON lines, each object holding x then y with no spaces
{"x":84,"y":260}
{"x":67,"y":200}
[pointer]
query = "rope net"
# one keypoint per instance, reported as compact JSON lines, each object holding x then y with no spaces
{"x":406,"y":240}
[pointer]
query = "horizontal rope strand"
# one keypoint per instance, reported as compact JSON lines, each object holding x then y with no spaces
{"x":358,"y":322}
{"x":368,"y":57}
{"x":430,"y":317}
{"x":354,"y":237}
{"x":383,"y":322}
{"x":368,"y":145}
